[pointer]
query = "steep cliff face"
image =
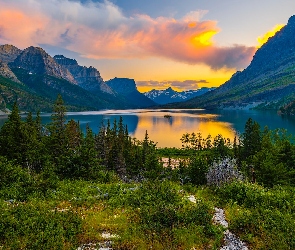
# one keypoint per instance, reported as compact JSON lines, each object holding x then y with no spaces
{"x":37,"y":61}
{"x":122,"y":85}
{"x":8,"y":53}
{"x":268,"y":82}
{"x":86,"y":78}
{"x":6,"y":72}
{"x":127,"y":88}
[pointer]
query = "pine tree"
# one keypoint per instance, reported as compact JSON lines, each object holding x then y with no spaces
{"x":11,"y":137}
{"x":251,"y":138}
{"x":57,"y":128}
{"x":88,"y":157}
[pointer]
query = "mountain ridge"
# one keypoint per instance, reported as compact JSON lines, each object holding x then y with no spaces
{"x":127,"y":88}
{"x":171,"y":96}
{"x":33,"y":72}
{"x":267,"y":83}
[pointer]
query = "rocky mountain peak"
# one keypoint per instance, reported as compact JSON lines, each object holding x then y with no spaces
{"x":122,"y":85}
{"x":8,"y":53}
{"x":65,"y":61}
{"x":87,"y":78}
{"x":170,"y":90}
{"x":37,"y":61}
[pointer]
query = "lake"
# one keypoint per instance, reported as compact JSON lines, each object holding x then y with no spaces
{"x":168,"y":131}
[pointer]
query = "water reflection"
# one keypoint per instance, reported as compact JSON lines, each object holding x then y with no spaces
{"x":168,"y":131}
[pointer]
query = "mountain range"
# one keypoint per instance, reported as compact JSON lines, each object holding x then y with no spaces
{"x":34,"y":79}
{"x":171,"y":96}
{"x":267,"y":83}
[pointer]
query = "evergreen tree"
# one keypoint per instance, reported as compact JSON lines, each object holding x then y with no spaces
{"x":88,"y":161}
{"x":57,"y":139}
{"x":34,"y":153}
{"x":12,"y":137}
{"x":251,"y":138}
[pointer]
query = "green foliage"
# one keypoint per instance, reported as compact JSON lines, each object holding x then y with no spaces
{"x":251,"y":138}
{"x":58,"y":183}
{"x":163,"y":213}
{"x":28,"y":100}
{"x":263,"y":217}
{"x":37,"y":225}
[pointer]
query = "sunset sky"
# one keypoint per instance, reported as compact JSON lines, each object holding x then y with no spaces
{"x":185,"y":44}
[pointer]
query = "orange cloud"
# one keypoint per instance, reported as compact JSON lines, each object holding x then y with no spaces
{"x":19,"y":28}
{"x":101,"y":30}
{"x":144,"y":86}
{"x":263,"y":39}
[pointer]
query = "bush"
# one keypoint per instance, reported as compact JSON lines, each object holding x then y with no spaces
{"x":224,"y":171}
{"x":37,"y":226}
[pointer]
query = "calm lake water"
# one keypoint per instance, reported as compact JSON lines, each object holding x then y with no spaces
{"x":168,"y":131}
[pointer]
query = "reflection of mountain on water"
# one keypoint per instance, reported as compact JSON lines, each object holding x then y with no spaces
{"x":95,"y":121}
{"x":130,"y":120}
{"x":167,"y":132}
{"x":265,"y":118}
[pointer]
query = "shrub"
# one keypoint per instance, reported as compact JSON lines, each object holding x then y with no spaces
{"x":224,"y":171}
{"x":37,"y":226}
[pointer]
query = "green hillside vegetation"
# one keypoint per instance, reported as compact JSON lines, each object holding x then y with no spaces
{"x":61,"y":188}
{"x":11,"y":91}
{"x":268,"y":92}
{"x":49,"y":87}
{"x":288,"y":109}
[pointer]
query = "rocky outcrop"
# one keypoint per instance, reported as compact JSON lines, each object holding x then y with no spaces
{"x":6,"y":72}
{"x":122,"y":86}
{"x":8,"y":53}
{"x":127,"y":88}
{"x":36,"y":61}
{"x":87,"y":78}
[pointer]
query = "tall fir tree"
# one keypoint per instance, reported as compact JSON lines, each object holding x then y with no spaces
{"x":57,"y":139}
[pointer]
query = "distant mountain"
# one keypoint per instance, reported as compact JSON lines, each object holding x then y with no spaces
{"x":34,"y":79}
{"x":267,"y":83}
{"x":170,"y":96}
{"x":127,"y":88}
{"x":86,"y":78}
{"x":36,"y":61}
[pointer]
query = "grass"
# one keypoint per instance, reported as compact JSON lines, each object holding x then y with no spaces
{"x":136,"y":216}
{"x":148,"y":215}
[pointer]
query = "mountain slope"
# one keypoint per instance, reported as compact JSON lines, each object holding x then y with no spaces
{"x":11,"y":91}
{"x":268,"y":82}
{"x":127,"y":88}
{"x":37,"y":61}
{"x":6,"y":72}
{"x":45,"y":78}
{"x":86,"y":78}
{"x":170,"y":96}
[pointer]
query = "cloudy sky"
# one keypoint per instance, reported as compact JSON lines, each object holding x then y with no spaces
{"x":185,"y":44}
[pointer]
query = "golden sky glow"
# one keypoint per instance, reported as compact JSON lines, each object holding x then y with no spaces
{"x":182,"y":50}
{"x":263,"y":39}
{"x":204,"y":39}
